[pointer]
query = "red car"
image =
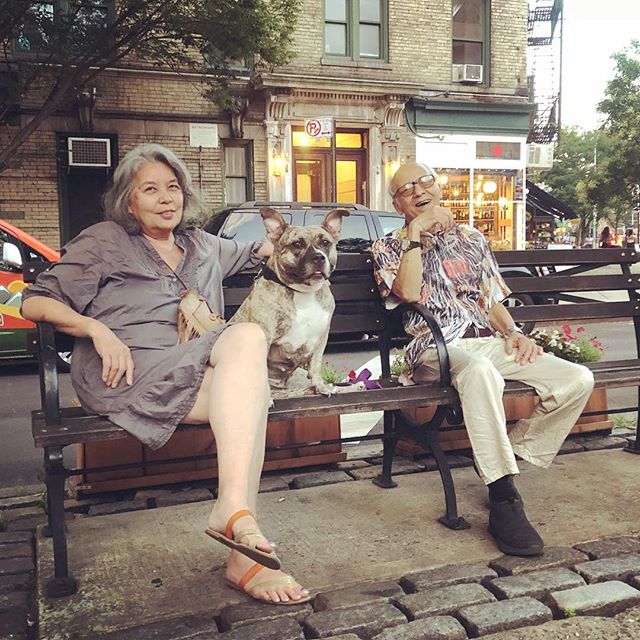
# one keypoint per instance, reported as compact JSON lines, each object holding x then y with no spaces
{"x":16,"y":248}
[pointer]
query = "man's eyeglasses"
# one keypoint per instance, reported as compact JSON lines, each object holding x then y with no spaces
{"x":408,"y":188}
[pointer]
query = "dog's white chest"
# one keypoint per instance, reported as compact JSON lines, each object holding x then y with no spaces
{"x":309,"y":322}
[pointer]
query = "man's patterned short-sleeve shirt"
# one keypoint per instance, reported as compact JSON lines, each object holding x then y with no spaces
{"x":460,"y":283}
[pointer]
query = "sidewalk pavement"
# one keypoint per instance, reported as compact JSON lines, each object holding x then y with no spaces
{"x":153,"y":574}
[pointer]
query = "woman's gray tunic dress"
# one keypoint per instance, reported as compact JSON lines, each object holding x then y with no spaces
{"x":120,"y":279}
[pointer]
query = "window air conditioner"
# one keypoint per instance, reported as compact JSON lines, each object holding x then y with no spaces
{"x":540,"y":156}
{"x":89,"y":152}
{"x":467,"y":73}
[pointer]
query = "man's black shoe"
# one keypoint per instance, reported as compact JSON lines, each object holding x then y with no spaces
{"x":513,"y":533}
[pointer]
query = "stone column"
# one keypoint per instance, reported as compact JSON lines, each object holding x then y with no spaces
{"x":278,"y":147}
{"x":390,"y":138}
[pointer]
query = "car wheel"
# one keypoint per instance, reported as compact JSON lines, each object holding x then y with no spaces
{"x":64,"y":361}
{"x":518,"y":300}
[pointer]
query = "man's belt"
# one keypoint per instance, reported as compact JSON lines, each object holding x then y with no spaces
{"x":478,"y":332}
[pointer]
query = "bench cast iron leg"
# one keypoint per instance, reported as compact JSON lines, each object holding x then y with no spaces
{"x":62,"y":584}
{"x":451,"y":519}
{"x":389,"y":445}
{"x":635,"y":447}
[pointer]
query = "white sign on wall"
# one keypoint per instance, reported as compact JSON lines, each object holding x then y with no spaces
{"x":319,"y":127}
{"x":203,"y":134}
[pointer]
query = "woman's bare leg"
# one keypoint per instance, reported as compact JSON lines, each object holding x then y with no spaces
{"x":234,"y":398}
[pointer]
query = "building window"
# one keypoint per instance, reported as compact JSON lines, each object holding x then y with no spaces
{"x":238,"y":172}
{"x":470,"y":31}
{"x":355,"y":29}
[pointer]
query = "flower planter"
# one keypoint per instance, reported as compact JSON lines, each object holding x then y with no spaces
{"x":455,"y":439}
{"x":200,"y":442}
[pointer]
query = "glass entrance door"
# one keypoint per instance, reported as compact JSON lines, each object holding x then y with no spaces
{"x":312,"y":170}
{"x":311,"y":178}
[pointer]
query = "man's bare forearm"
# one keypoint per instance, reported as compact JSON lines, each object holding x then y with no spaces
{"x":408,"y":283}
{"x":500,"y":318}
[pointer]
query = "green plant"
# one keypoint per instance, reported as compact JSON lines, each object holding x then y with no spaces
{"x":331,"y":375}
{"x":399,"y":364}
{"x":43,"y":502}
{"x":621,"y":421}
{"x":576,"y":347}
{"x":569,"y":612}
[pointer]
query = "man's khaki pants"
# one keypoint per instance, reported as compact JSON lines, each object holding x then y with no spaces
{"x":479,"y":367}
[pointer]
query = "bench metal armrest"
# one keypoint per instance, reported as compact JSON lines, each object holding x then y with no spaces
{"x":395,"y":326}
{"x":48,"y":366}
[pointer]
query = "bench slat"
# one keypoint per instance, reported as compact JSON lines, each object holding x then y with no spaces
{"x":352,"y":291}
{"x":581,"y":311}
{"x":553,"y":284}
{"x":77,"y":427}
{"x":547,"y":258}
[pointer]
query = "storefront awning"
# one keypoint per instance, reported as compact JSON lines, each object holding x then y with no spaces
{"x":476,"y":116}
{"x":540,"y":202}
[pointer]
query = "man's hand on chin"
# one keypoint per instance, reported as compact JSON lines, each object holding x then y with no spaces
{"x":432,"y":220}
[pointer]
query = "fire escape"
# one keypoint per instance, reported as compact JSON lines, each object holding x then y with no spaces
{"x":544,"y":61}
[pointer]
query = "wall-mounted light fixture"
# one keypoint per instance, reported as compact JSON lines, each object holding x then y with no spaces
{"x":278,"y":161}
{"x":391,"y":159}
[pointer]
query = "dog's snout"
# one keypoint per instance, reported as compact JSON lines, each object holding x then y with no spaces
{"x":319,"y":258}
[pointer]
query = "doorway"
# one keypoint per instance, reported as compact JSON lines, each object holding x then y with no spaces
{"x":313,"y":172}
{"x":80,"y":188}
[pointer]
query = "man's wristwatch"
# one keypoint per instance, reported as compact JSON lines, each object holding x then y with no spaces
{"x":510,"y":331}
{"x":407,"y":245}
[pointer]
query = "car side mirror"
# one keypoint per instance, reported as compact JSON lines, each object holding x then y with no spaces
{"x":11,"y":256}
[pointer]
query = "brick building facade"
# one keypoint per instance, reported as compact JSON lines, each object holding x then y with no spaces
{"x":399,"y":79}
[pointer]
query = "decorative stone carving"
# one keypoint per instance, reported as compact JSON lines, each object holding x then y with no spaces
{"x":277,"y":106}
{"x":237,"y":111}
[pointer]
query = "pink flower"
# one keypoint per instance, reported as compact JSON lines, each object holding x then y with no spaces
{"x":567,"y":330}
{"x":580,"y":330}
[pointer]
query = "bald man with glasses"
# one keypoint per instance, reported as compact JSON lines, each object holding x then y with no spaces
{"x":449,"y":268}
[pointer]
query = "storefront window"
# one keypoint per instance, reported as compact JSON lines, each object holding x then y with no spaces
{"x":454,"y":185}
{"x":484,"y":198}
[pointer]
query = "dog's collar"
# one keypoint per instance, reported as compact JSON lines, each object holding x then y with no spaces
{"x":269,"y":274}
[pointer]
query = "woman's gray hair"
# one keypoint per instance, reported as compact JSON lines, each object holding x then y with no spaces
{"x":116,"y":199}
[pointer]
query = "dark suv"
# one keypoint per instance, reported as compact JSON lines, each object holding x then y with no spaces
{"x":359,"y":230}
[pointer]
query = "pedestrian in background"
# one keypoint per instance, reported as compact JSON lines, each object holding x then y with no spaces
{"x":630,"y":239}
{"x":606,"y":239}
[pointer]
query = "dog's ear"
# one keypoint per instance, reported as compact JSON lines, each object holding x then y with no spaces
{"x":333,"y":222}
{"x":274,"y":223}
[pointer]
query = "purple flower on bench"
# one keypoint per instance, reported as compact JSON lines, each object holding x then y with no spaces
{"x":364,"y":376}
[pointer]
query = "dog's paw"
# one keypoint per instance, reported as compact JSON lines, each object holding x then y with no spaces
{"x":322,"y":388}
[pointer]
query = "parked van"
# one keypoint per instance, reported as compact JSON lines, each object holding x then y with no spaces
{"x":16,"y":334}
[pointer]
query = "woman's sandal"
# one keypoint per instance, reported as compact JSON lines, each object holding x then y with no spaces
{"x":269,"y":560}
{"x":281,"y":581}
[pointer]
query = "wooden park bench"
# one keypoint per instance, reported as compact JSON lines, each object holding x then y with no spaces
{"x":359,"y":311}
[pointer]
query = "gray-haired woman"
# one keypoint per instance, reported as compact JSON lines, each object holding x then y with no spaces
{"x":117,"y":289}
